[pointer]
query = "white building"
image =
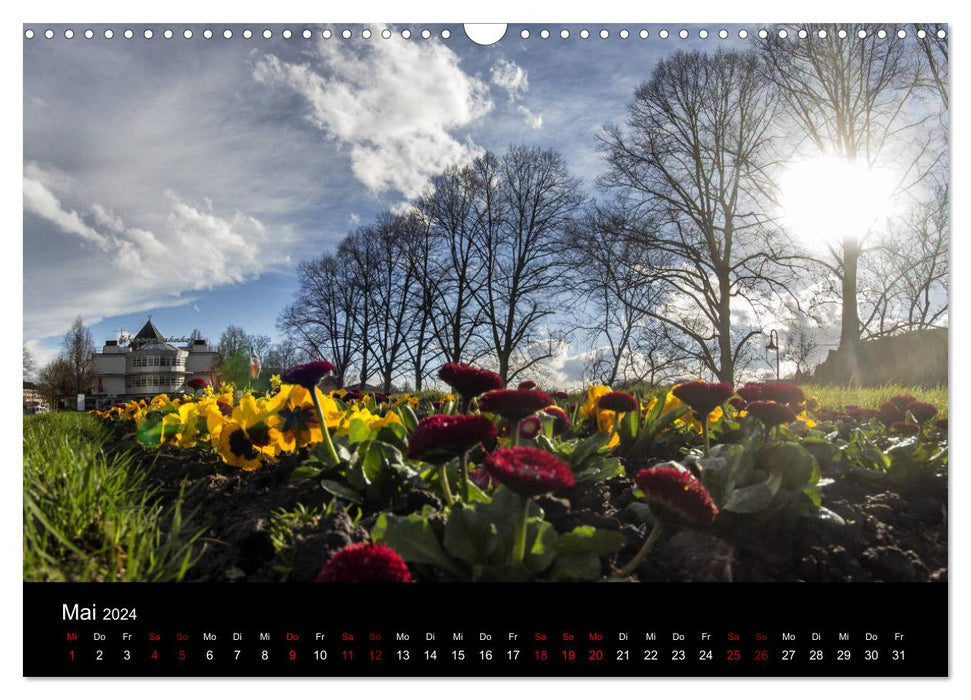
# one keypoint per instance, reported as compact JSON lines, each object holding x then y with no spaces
{"x":148,"y":364}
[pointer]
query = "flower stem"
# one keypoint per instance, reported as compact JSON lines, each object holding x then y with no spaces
{"x":328,"y":443}
{"x":519,"y":531}
{"x":446,"y":489}
{"x":643,"y":551}
{"x":704,"y":431}
{"x":465,"y":477}
{"x":515,"y":434}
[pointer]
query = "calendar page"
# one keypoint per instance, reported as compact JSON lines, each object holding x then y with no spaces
{"x":357,"y":350}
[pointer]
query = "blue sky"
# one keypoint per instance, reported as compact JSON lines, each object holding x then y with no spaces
{"x":184,"y":178}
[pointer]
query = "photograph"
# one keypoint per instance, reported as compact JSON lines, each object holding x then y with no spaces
{"x":365,"y":304}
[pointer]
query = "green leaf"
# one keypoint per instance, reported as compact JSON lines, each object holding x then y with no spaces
{"x":358,"y":431}
{"x":393,"y":433}
{"x":576,"y":567}
{"x":341,"y":491}
{"x":826,"y":514}
{"x":587,"y":539}
{"x":150,"y":430}
{"x":794,"y":463}
{"x":541,"y":541}
{"x":587,"y":448}
{"x":373,"y":461}
{"x":413,"y":538}
{"x":629,"y":425}
{"x":469,"y":535}
{"x":408,"y":417}
{"x":655,"y":411}
{"x":752,"y":499}
{"x":665,"y":420}
{"x":304,"y":471}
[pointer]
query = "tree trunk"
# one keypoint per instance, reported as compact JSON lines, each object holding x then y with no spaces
{"x":726,"y":359}
{"x":850,"y":329}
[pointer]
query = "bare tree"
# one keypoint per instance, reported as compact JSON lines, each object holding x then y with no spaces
{"x":77,"y":350}
{"x":30,"y":364}
{"x":606,"y":276}
{"x":55,"y":379}
{"x":232,"y":341}
{"x":849,"y":95}
{"x":905,"y":286}
{"x":527,"y":199}
{"x":320,"y":319}
{"x":357,"y":252}
{"x":689,"y":168}
{"x":934,"y":69}
{"x":391,"y":290}
{"x":260,"y":344}
{"x":456,"y":207}
{"x":418,"y":243}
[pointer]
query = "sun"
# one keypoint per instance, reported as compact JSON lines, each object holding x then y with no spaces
{"x":826,"y":199}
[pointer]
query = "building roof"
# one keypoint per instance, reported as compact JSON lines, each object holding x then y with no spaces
{"x":149,"y":338}
{"x":148,"y":332}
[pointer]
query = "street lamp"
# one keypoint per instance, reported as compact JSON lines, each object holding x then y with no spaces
{"x":774,"y":345}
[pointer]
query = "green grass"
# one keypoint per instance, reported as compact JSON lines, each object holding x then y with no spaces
{"x":834,"y":397}
{"x":88,"y":513}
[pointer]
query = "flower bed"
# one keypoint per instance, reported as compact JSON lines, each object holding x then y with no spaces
{"x":496,"y":484}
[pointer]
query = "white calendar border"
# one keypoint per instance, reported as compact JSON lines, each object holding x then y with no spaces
{"x":602,"y":11}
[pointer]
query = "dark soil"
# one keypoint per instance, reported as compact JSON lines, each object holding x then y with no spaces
{"x":893,"y":532}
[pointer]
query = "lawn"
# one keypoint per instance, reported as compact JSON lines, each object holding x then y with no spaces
{"x":88,"y":513}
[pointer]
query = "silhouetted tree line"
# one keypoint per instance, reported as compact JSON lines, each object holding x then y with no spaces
{"x":676,"y":263}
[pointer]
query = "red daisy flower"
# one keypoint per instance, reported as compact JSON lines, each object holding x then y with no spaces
{"x":677,"y":490}
{"x":528,"y":384}
{"x":530,"y":427}
{"x":617,"y":401}
{"x":365,"y":563}
{"x":738,"y":403}
{"x":905,"y":427}
{"x":469,"y":381}
{"x":889,"y":413}
{"x":771,"y":413}
{"x":528,"y":471}
{"x":561,"y":421}
{"x":780,"y":392}
{"x":439,"y":438}
{"x":560,"y":395}
{"x":862,"y":414}
{"x":703,"y":397}
{"x":514,"y":404}
{"x":750,"y":391}
{"x":307,"y":375}
{"x":901,"y":401}
{"x":197,"y":383}
{"x":825,"y":414}
{"x":941,"y":423}
{"x":922,"y":411}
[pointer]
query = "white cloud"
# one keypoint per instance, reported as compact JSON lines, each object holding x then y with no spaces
{"x":535,"y":121}
{"x":510,"y":77}
{"x":395,"y":103}
{"x":106,"y":217}
{"x":514,"y":79}
{"x":41,"y":201}
{"x":191,"y":247}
